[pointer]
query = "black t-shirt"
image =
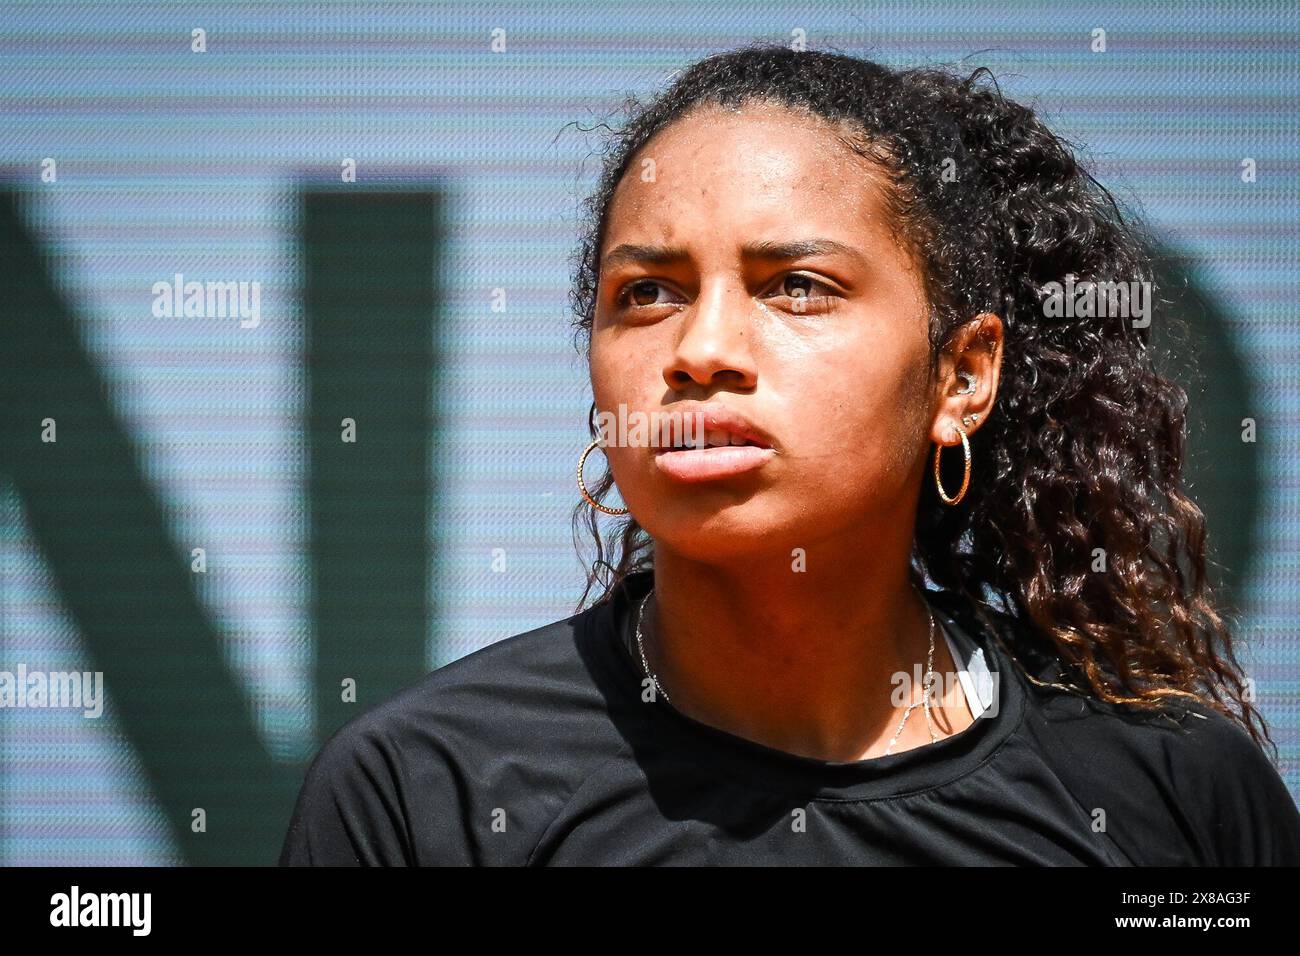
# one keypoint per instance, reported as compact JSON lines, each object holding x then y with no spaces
{"x":541,"y":750}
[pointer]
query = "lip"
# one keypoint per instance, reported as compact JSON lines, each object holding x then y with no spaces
{"x":707,"y":464}
{"x":716,"y":416}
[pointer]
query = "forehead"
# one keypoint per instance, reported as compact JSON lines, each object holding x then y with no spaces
{"x":762,"y":167}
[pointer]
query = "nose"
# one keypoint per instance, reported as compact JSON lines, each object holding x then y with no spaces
{"x":713,"y":345}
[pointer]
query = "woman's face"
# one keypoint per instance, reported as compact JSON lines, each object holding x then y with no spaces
{"x":822,"y":348}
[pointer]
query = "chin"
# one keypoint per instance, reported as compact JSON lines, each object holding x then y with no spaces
{"x":721,"y":535}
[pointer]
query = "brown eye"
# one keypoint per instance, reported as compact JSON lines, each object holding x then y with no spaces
{"x":641,"y":292}
{"x":805,"y":290}
{"x":796,"y":286}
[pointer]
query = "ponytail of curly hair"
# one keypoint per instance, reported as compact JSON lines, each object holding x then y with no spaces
{"x":1077,"y":525}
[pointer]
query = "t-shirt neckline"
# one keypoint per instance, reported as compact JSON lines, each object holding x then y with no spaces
{"x":764,"y":767}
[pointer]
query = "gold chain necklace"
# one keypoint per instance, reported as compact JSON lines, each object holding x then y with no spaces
{"x":926,"y":683}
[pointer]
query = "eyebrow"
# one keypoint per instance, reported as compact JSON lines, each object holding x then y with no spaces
{"x":769,"y":250}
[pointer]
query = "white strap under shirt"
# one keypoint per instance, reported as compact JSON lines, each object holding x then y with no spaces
{"x":972,"y":669}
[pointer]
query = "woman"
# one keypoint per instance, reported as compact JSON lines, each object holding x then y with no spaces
{"x":839,"y":271}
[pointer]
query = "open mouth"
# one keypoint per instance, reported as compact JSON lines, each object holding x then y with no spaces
{"x":720,"y":455}
{"x":712,"y":439}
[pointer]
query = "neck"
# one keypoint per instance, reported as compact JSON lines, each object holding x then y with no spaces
{"x":799,"y":661}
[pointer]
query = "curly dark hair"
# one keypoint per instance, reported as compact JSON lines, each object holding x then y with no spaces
{"x":1084,"y":447}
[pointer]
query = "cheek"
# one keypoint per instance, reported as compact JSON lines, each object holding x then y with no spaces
{"x":627,"y":377}
{"x":610,"y":364}
{"x":856,"y":414}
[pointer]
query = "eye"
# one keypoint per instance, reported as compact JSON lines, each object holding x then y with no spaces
{"x":640,"y":292}
{"x":807,"y":292}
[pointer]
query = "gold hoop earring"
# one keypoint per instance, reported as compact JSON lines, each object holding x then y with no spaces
{"x":965,"y":481}
{"x":582,"y":485}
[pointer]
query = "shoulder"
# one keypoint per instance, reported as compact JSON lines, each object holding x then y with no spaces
{"x":1186,"y":784}
{"x":451,"y":769}
{"x":1243,"y":813}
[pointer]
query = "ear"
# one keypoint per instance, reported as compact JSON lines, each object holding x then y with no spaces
{"x":973,"y":353}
